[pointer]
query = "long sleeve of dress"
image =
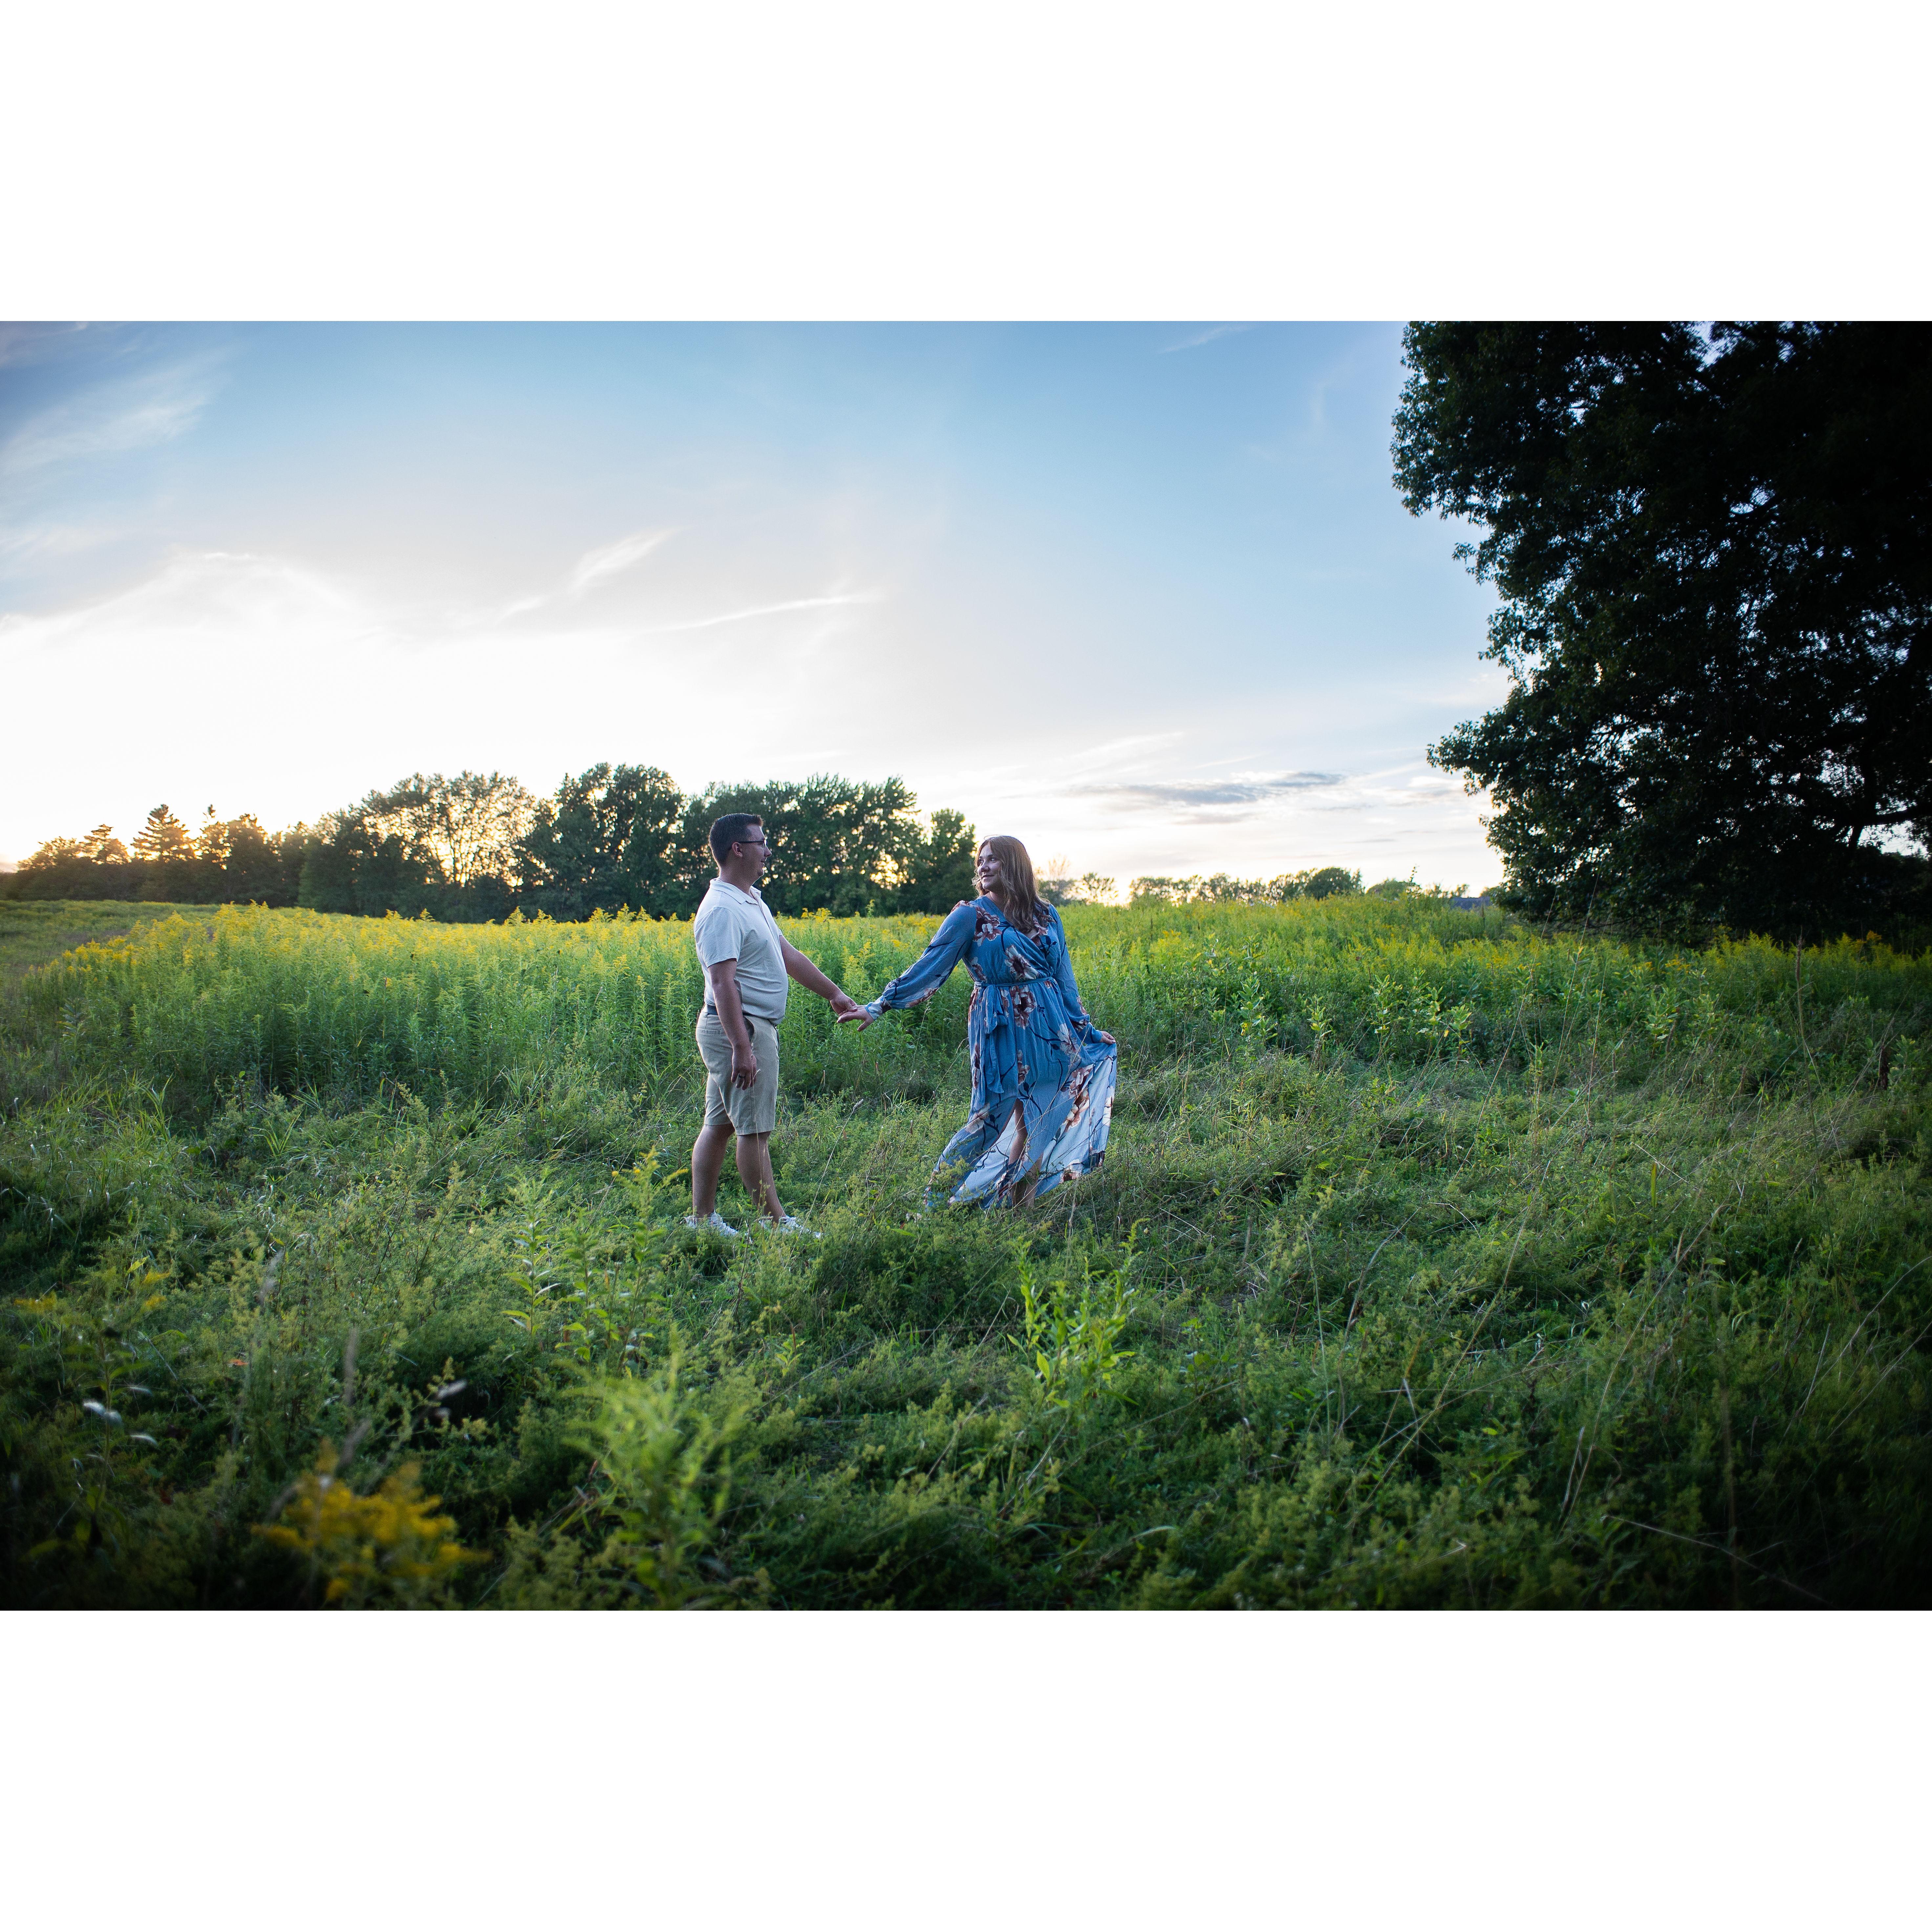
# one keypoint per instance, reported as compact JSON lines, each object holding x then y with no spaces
{"x":1063,"y":974}
{"x":934,"y":967}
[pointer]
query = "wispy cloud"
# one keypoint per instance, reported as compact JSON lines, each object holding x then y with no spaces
{"x":24,"y":342}
{"x":766,"y":610}
{"x":1207,"y":335}
{"x":1115,"y":749}
{"x":28,"y":542}
{"x":111,"y":419}
{"x":1196,"y":796}
{"x":593,"y":567}
{"x":1429,"y":790}
{"x":196,"y":595}
{"x":596,"y":564}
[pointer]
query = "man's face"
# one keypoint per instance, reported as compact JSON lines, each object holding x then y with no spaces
{"x":753,"y":848}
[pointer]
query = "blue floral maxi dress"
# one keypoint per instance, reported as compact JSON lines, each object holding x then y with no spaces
{"x":1042,"y":1071}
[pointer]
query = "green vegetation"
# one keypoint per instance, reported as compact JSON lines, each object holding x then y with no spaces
{"x":33,"y":933}
{"x":1434,"y":1262}
{"x":476,"y":846}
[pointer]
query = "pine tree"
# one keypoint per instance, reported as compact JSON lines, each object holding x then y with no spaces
{"x":163,"y":840}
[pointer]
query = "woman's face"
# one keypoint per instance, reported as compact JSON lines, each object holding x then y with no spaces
{"x":989,"y":869}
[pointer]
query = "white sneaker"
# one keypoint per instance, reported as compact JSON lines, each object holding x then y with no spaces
{"x":717,"y":1224}
{"x":792,"y":1224}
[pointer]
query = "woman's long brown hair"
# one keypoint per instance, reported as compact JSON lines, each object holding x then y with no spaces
{"x":1017,"y":895}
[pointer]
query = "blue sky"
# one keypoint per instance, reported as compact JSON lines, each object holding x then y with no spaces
{"x":1142,"y":594}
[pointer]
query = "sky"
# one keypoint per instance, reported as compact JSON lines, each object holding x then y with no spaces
{"x":1141,"y":594}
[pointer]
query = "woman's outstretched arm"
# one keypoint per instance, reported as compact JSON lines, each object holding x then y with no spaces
{"x":928,"y":972}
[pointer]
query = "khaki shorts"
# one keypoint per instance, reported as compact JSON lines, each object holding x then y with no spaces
{"x":752,"y":1109}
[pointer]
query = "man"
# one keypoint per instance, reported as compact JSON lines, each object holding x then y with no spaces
{"x":746,"y":960}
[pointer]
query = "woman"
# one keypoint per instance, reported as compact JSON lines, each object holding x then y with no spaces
{"x":1042,"y":1071}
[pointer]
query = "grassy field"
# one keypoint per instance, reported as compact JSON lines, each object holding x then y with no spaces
{"x":1434,"y":1262}
{"x":33,"y":931}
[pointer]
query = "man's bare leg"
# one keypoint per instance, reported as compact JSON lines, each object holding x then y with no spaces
{"x":755,"y":1170}
{"x":707,"y":1163}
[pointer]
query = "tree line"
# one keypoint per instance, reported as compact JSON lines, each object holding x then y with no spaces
{"x":478,"y":846}
{"x":616,"y":837}
{"x":1222,"y":889}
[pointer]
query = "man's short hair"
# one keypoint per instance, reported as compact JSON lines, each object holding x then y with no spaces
{"x":726,"y":832}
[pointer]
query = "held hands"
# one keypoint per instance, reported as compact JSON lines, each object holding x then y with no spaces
{"x":844,"y":1008}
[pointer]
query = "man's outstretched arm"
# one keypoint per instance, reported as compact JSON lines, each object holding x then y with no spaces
{"x":808,"y":977}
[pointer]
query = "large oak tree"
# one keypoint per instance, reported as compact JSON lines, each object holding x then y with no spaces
{"x":1713,"y":549}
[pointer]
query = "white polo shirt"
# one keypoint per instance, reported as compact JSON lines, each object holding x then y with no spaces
{"x":734,"y":922}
